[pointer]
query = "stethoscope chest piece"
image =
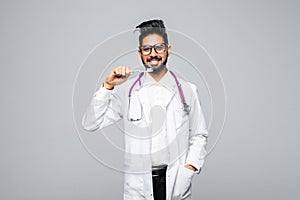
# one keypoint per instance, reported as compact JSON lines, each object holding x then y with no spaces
{"x":186,"y":108}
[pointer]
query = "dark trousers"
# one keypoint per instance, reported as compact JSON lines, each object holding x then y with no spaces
{"x":159,"y":182}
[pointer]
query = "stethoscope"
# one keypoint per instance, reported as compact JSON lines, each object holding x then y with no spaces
{"x":186,"y":107}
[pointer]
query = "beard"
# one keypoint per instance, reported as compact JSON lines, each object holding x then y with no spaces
{"x":156,"y":69}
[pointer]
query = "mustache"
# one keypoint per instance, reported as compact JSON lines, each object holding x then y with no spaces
{"x":154,"y":58}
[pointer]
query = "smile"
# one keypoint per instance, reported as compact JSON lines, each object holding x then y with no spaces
{"x":154,"y":60}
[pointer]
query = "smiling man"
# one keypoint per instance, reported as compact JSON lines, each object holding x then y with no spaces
{"x":165,"y":131}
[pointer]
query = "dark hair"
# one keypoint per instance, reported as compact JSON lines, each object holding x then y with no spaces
{"x":154,"y":26}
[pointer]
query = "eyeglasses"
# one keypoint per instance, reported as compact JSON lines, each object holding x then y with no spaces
{"x":159,"y":48}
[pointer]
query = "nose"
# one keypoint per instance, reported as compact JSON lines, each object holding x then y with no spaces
{"x":153,"y":52}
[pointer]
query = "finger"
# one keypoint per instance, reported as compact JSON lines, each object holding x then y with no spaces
{"x":123,"y":71}
{"x":118,"y":72}
{"x":127,"y":71}
{"x":115,"y":71}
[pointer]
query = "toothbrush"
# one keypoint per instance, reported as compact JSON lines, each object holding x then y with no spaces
{"x":141,"y":70}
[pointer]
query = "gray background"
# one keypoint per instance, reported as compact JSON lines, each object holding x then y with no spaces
{"x":254,"y":43}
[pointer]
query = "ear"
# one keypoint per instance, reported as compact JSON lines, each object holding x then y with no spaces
{"x":139,"y":51}
{"x":169,"y":50}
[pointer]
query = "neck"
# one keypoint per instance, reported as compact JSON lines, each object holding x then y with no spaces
{"x":159,"y":74}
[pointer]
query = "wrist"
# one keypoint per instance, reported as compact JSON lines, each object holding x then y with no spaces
{"x":108,"y":86}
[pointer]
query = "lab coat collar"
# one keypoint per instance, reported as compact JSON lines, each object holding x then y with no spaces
{"x":167,"y":80}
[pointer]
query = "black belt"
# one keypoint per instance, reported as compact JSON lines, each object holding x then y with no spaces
{"x":159,"y":170}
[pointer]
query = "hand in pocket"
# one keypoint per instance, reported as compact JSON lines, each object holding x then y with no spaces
{"x":183,"y":183}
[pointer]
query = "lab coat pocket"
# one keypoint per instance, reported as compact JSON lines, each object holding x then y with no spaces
{"x":183,"y":184}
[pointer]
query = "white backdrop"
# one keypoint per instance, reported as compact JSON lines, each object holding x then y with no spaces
{"x":254,"y":43}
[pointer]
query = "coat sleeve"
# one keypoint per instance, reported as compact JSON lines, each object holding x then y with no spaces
{"x":104,"y":109}
{"x":197,"y":133}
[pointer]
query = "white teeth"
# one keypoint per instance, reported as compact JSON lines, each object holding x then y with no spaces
{"x":154,"y":62}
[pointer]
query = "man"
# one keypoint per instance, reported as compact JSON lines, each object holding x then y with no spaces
{"x":165,"y":131}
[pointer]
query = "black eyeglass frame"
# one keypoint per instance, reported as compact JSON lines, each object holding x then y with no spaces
{"x":142,"y":48}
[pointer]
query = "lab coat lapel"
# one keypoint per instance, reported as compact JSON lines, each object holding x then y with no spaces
{"x":167,"y":81}
{"x":144,"y":100}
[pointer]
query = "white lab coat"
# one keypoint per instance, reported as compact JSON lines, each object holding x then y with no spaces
{"x":186,"y":134}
